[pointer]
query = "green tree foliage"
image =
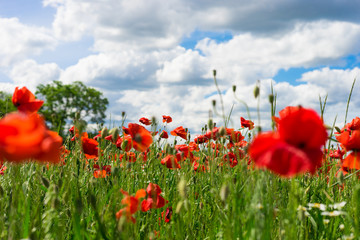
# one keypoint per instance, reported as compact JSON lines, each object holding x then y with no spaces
{"x":6,"y":104}
{"x":62,"y":102}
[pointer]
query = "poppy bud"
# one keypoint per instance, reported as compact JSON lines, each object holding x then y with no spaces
{"x":222,"y":131}
{"x":271,"y":98}
{"x":214,"y":73}
{"x":114,"y":133}
{"x":210,"y":124}
{"x":124,"y":144}
{"x":337,"y":129}
{"x":45,"y":182}
{"x":214,"y":102}
{"x":256,"y":91}
{"x":123,"y":114}
{"x":153,"y":120}
{"x":234,"y":88}
{"x":104,"y":132}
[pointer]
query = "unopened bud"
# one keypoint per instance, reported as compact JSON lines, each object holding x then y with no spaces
{"x":124,"y":144}
{"x":153,"y":120}
{"x":104,"y":132}
{"x":256,"y":91}
{"x":210,"y":124}
{"x":213,"y":103}
{"x":234,"y":88}
{"x":271,"y":98}
{"x":214,"y":73}
{"x":222,"y":131}
{"x":123,"y":114}
{"x":114,"y":133}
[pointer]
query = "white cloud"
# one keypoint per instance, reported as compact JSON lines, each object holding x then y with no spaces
{"x":20,"y":41}
{"x":32,"y":74}
{"x":247,"y":57}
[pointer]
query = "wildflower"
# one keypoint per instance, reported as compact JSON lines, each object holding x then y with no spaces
{"x":200,"y":139}
{"x":296,"y":146}
{"x":24,"y":136}
{"x":320,"y":206}
{"x":2,"y":168}
{"x":179,"y":131}
{"x":24,"y":100}
{"x":333,"y":213}
{"x":154,"y":200}
{"x":141,"y":138}
{"x":170,"y":161}
{"x":338,"y":206}
{"x":89,"y":145}
{"x":132,"y":205}
{"x":246,"y":123}
{"x":145,"y":121}
{"x":166,"y":215}
{"x":167,"y":119}
{"x":164,"y":134}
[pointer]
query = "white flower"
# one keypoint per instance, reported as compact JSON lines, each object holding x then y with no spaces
{"x":320,"y":206}
{"x":333,"y":213}
{"x":337,"y":206}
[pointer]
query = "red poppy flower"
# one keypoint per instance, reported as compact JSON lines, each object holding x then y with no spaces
{"x":231,"y":159}
{"x":154,"y":200}
{"x":167,"y":119}
{"x":246,"y":123}
{"x":25,"y":101}
{"x":145,"y":121}
{"x":166,"y":215}
{"x":90,"y":146}
{"x":2,"y":168}
{"x":295,"y":148}
{"x":351,"y":162}
{"x":349,"y":139}
{"x":179,"y":131}
{"x":132,"y":205}
{"x":213,"y":134}
{"x":170,"y":161}
{"x":24,"y":136}
{"x":141,"y":138}
{"x":164,"y":134}
{"x":200,"y":139}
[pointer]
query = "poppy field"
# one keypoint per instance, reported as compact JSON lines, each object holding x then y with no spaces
{"x":297,"y":181}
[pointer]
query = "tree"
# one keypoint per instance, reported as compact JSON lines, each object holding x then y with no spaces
{"x":6,"y":104}
{"x":64,"y":101}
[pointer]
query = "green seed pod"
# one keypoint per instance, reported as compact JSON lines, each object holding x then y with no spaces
{"x":222,"y":131}
{"x":114,"y":133}
{"x":104,"y":132}
{"x":234,"y":88}
{"x":210,"y":124}
{"x":256,"y":91}
{"x":271,"y":98}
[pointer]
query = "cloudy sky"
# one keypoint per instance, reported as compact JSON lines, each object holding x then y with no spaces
{"x":155,"y":57}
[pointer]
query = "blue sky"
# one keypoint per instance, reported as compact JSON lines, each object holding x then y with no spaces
{"x":152,"y":58}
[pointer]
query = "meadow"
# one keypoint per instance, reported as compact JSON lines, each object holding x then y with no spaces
{"x":298,"y":181}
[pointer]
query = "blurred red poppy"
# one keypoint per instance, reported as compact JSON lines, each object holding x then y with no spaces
{"x":89,"y":145}
{"x":170,"y":161}
{"x":295,"y":148}
{"x":24,"y":136}
{"x":145,"y":121}
{"x":154,"y":200}
{"x":25,"y":101}
{"x":141,"y":138}
{"x":167,"y":119}
{"x":179,"y":131}
{"x":246,"y":123}
{"x":164,"y":134}
{"x":132,"y":204}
